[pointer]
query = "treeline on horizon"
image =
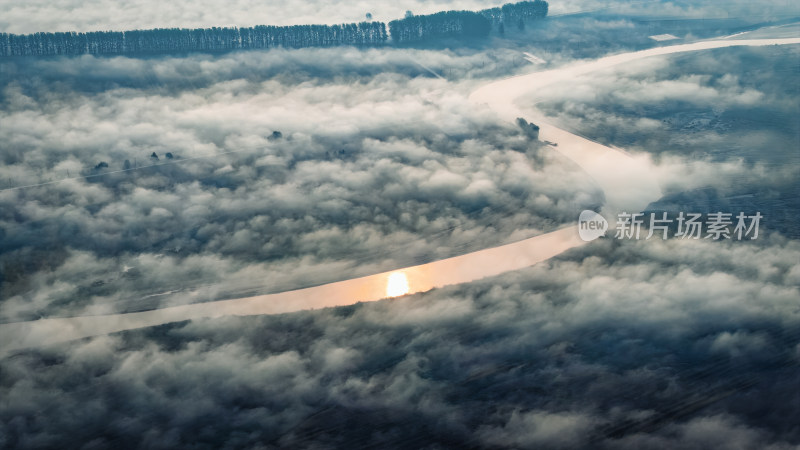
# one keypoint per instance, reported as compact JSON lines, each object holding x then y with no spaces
{"x":164,"y":40}
{"x":464,"y":23}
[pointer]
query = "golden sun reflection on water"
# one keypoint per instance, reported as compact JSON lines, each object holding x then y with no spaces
{"x":397,"y":285}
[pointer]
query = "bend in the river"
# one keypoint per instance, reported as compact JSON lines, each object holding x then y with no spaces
{"x":625,"y":180}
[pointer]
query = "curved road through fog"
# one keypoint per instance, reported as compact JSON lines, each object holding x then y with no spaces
{"x":625,"y":179}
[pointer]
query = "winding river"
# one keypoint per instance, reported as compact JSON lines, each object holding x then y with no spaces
{"x":626,"y":181}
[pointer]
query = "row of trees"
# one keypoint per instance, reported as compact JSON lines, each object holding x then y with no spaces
{"x":441,"y":24}
{"x":410,"y":29}
{"x":465,"y":23}
{"x":199,"y":39}
{"x":513,"y":13}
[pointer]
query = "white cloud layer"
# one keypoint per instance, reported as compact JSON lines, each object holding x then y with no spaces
{"x":371,"y":173}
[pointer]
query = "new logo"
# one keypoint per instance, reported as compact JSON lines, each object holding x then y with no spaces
{"x":591,"y":225}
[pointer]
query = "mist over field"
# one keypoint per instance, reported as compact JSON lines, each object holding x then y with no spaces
{"x":662,"y":344}
{"x":370,"y":173}
{"x":722,"y":124}
{"x":141,"y":182}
